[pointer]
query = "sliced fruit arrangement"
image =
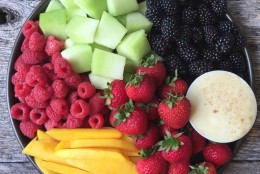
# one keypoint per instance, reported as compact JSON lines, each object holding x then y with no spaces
{"x":104,"y":82}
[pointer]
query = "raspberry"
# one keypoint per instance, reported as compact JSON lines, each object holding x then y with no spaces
{"x":60,"y":89}
{"x":22,"y":90}
{"x":97,"y":103}
{"x":48,"y":68}
{"x":37,"y":42}
{"x":36,"y":75}
{"x":73,"y":80}
{"x":73,"y":122}
{"x":18,"y":77}
{"x":52,"y":124}
{"x":60,"y":106}
{"x":28,"y":128}
{"x":53,"y":45}
{"x":30,"y":27}
{"x":56,"y":56}
{"x":84,"y":77}
{"x":96,"y":121}
{"x":32,"y":102}
{"x":86,"y":90}
{"x":62,"y":68}
{"x":80,"y":109}
{"x":25,"y":44}
{"x":72,"y":97}
{"x":33,"y":57}
{"x":52,"y":114}
{"x":42,"y":92}
{"x":20,"y":111}
{"x":38,"y":116}
{"x":20,"y":66}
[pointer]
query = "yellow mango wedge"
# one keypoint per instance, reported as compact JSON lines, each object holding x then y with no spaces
{"x":127,"y":138}
{"x":45,"y":150}
{"x":131,"y":153}
{"x":94,"y":154}
{"x":59,"y":168}
{"x":41,"y":135}
{"x":100,"y":143}
{"x":134,"y":159}
{"x":75,"y":134}
{"x":104,"y":166}
{"x":44,"y":171}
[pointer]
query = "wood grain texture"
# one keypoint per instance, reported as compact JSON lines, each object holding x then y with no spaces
{"x":245,"y":13}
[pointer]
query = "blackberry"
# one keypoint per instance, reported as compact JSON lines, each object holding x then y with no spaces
{"x":189,"y":16}
{"x":211,"y":34}
{"x":219,"y":7}
{"x":210,"y":55}
{"x":197,"y":35}
{"x":188,"y":54}
{"x":226,"y":26}
{"x":225,"y":43}
{"x":158,"y":44}
{"x":157,"y":22}
{"x":199,"y":67}
{"x":238,"y":61}
{"x":173,"y":62}
{"x":170,"y":28}
{"x":186,"y":33}
{"x":170,"y":7}
{"x":206,"y":16}
{"x":153,"y":3}
{"x":240,"y":40}
{"x":184,"y":3}
{"x":225,"y":65}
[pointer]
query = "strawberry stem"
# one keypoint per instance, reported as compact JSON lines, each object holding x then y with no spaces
{"x":136,"y":79}
{"x":124,"y":112}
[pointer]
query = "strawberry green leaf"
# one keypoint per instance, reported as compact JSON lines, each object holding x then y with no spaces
{"x":199,"y":169}
{"x":149,"y":61}
{"x":136,"y":80}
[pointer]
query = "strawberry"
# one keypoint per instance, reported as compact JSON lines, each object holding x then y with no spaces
{"x":174,"y":86}
{"x":150,"y":137}
{"x":129,"y":119}
{"x":176,"y":148}
{"x":140,"y":88}
{"x":165,"y":128}
{"x":178,"y":168}
{"x":198,"y":142}
{"x":203,"y":168}
{"x":151,"y":163}
{"x":150,"y":108}
{"x":217,"y":154}
{"x":115,"y":94}
{"x":175,"y":111}
{"x":156,"y":69}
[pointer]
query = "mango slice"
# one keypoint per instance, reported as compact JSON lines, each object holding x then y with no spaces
{"x":59,"y":168}
{"x":41,"y":135}
{"x":104,"y":166}
{"x":44,"y":171}
{"x":75,"y":134}
{"x":95,"y":154}
{"x":130,"y":153}
{"x":44,"y":149}
{"x":134,"y":159}
{"x":101,"y":143}
{"x":127,"y":138}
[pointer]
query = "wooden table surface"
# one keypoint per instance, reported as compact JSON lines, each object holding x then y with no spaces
{"x":246,"y":14}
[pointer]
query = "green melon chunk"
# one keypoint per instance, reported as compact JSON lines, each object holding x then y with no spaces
{"x":82,"y":29}
{"x":94,"y":8}
{"x":68,"y":43}
{"x":120,"y":7}
{"x":53,"y":23}
{"x":136,"y":21}
{"x":142,"y":7}
{"x":68,"y":4}
{"x":101,"y":47}
{"x":54,"y":5}
{"x":134,"y":46}
{"x":99,"y":82}
{"x":80,"y":57}
{"x":131,"y":66}
{"x":110,"y":31}
{"x":108,"y":64}
{"x":75,"y":12}
{"x":121,"y":19}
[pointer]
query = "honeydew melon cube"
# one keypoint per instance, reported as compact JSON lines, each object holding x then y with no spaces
{"x":75,"y":12}
{"x":101,"y":47}
{"x":107,"y":64}
{"x":68,"y":43}
{"x":136,"y":21}
{"x":68,"y":4}
{"x":121,"y":19}
{"x":81,"y":29}
{"x":54,"y":23}
{"x":134,"y":46}
{"x":110,"y":31}
{"x":99,"y":82}
{"x":142,"y":7}
{"x":80,"y":57}
{"x":94,"y":8}
{"x":120,"y":7}
{"x":131,"y":66}
{"x":54,"y":5}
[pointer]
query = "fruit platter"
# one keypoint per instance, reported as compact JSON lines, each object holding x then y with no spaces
{"x":159,"y":86}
